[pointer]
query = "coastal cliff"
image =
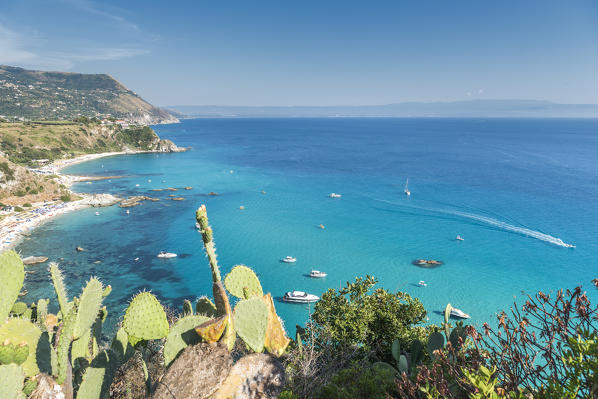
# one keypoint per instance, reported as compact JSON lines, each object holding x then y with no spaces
{"x":35,"y":95}
{"x":28,"y":148}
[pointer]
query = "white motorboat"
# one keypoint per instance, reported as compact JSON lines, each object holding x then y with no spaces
{"x":300,"y":297}
{"x":422,"y":283}
{"x":166,"y":255}
{"x":128,"y":211}
{"x":97,"y":213}
{"x":317,"y":274}
{"x":136,"y":185}
{"x":459,"y":238}
{"x":335,"y":195}
{"x":197,"y":225}
{"x":407,"y":192}
{"x":289,"y":259}
{"x":458,"y":313}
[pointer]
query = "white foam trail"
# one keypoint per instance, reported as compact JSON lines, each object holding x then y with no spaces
{"x":495,"y":223}
{"x":515,"y":229}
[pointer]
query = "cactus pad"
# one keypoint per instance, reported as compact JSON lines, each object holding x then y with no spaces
{"x":88,"y":308}
{"x":241,"y":277}
{"x":11,"y":382}
{"x":18,"y":331}
{"x":206,"y":307}
{"x":180,"y":336}
{"x":251,"y":321}
{"x":417,"y":353}
{"x":211,"y":330}
{"x":383,"y":366}
{"x":121,"y":346}
{"x":41,"y":311}
{"x":458,"y":332}
{"x":396,"y":350}
{"x":187,"y":308}
{"x":402,"y":364}
{"x":145,"y":318}
{"x":12,"y":275}
{"x":60,"y":289}
{"x":435,"y":341}
{"x":276,"y":337}
{"x":19,"y":308}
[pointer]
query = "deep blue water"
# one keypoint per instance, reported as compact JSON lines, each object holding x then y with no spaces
{"x":515,"y":190}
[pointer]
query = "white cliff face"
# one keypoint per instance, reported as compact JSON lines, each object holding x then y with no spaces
{"x":165,"y":145}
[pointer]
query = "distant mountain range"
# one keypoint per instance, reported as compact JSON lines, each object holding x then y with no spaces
{"x":459,"y":109}
{"x":35,"y":95}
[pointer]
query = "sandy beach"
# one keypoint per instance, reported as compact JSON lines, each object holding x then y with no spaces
{"x":17,"y":225}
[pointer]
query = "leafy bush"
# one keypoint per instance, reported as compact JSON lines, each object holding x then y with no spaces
{"x":141,"y":137}
{"x":27,"y":205}
{"x":355,"y":317}
{"x":18,"y":209}
{"x":66,"y":197}
{"x":356,"y":383}
{"x":6,"y":170}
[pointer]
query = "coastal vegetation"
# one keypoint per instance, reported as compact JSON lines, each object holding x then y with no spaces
{"x":37,"y":95}
{"x":360,"y":342}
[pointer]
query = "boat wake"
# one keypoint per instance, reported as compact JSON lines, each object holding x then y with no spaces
{"x":489,"y":221}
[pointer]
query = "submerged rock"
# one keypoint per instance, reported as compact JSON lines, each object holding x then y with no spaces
{"x":32,"y":260}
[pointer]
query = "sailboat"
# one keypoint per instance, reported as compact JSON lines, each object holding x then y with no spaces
{"x":407,"y":192}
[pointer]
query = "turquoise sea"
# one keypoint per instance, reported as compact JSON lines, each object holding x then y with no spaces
{"x":516,"y":190}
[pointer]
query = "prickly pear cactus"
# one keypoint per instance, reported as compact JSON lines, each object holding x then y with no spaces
{"x":396,"y":350}
{"x":11,"y":382}
{"x":121,"y":346}
{"x":17,"y":331}
{"x":187,"y":308}
{"x":88,"y":308}
{"x":276,"y":340}
{"x":459,"y":332}
{"x":41,"y":312}
{"x":211,"y":330}
{"x":242,"y":280}
{"x":61,"y":294}
{"x":435,"y":341}
{"x":145,"y":318}
{"x":251,"y":321}
{"x":12,"y":276}
{"x":181,"y":335}
{"x":402,"y":364}
{"x":18,"y":308}
{"x":206,"y":307}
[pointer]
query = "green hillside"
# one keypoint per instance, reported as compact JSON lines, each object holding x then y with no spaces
{"x":36,"y":95}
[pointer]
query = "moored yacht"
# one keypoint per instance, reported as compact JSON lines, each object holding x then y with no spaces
{"x":300,"y":297}
{"x":317,"y":274}
{"x":458,"y":313}
{"x":166,"y":255}
{"x":289,"y":259}
{"x":335,"y":195}
{"x":407,"y":192}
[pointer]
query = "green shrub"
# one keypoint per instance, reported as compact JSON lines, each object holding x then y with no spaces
{"x":18,"y":209}
{"x":356,"y":383}
{"x":66,"y":197}
{"x":27,"y":205}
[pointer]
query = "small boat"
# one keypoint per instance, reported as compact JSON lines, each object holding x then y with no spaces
{"x":317,"y":274}
{"x":458,"y":313}
{"x":422,"y":283}
{"x":166,"y":255}
{"x":136,"y":185}
{"x":197,"y":226}
{"x":289,"y":259}
{"x":335,"y":195}
{"x":407,"y":192}
{"x":128,"y":211}
{"x":459,"y":238}
{"x":136,"y":259}
{"x":97,"y":213}
{"x":300,"y":297}
{"x":149,"y":180}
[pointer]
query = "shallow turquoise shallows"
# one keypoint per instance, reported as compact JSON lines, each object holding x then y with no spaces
{"x":517,"y":191}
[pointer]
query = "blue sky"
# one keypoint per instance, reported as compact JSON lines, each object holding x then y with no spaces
{"x":314,"y":52}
